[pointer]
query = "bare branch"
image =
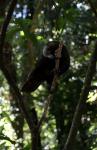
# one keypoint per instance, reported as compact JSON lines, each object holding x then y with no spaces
{"x":54,"y":84}
{"x":81,"y":104}
{"x":5,"y":25}
{"x":7,"y":74}
{"x":84,"y":93}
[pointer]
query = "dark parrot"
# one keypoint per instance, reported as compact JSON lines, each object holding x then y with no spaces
{"x":44,"y":70}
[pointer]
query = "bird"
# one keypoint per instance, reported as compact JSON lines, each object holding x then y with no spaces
{"x":44,"y":69}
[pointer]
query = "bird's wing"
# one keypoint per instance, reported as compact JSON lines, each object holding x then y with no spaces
{"x":31,"y":84}
{"x":37,"y":76}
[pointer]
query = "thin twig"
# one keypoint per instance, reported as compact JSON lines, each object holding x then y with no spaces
{"x":53,"y":86}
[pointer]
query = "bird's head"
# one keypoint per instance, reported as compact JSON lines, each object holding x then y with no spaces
{"x":49,"y":49}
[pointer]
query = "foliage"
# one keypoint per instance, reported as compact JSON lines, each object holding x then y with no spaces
{"x":32,"y":25}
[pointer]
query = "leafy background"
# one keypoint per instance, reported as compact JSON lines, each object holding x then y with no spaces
{"x":33,"y":24}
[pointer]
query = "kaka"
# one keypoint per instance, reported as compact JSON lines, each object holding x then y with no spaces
{"x":44,"y":70}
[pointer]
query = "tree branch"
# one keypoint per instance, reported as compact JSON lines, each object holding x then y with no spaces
{"x":54,"y":84}
{"x":7,"y":74}
{"x":84,"y":93}
{"x":83,"y":97}
{"x":5,"y":25}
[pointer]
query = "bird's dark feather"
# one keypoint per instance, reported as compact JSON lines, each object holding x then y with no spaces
{"x":44,"y":70}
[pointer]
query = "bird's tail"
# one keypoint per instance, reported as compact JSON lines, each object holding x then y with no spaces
{"x":31,"y":84}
